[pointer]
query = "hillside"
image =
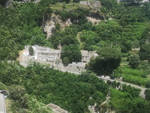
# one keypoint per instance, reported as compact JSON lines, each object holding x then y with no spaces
{"x":75,"y":56}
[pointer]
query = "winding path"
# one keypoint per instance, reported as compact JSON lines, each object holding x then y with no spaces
{"x":142,"y":93}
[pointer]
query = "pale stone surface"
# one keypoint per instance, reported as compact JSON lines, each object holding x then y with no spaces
{"x":56,"y":109}
{"x":52,"y":57}
{"x":50,"y":24}
{"x":2,"y":104}
{"x":92,"y":109}
{"x":49,"y":27}
{"x":93,"y":20}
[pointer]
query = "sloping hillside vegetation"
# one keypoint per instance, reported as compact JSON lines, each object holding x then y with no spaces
{"x":121,"y":37}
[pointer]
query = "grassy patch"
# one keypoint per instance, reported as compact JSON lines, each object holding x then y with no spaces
{"x":134,"y":76}
{"x":67,"y":7}
{"x":121,"y":102}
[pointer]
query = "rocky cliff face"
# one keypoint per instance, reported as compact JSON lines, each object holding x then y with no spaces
{"x":50,"y":24}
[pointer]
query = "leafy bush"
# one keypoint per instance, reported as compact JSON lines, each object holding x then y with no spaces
{"x":132,"y":91}
{"x":3,"y":2}
{"x":88,"y":39}
{"x":148,"y":84}
{"x":147,"y":94}
{"x":3,"y":86}
{"x":108,"y":60}
{"x":134,"y":61}
{"x":17,"y":93}
{"x":31,"y":52}
{"x":70,"y":53}
{"x":122,"y":103}
{"x":132,"y":75}
{"x":145,"y":52}
{"x":37,"y":107}
{"x":73,"y":93}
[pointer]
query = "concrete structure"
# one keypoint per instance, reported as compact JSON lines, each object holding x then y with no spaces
{"x":56,"y":109}
{"x":87,"y":55}
{"x":2,"y":103}
{"x":52,"y":57}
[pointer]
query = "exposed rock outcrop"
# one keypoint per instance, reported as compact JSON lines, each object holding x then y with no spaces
{"x":93,"y":20}
{"x":49,"y":27}
{"x":50,"y":24}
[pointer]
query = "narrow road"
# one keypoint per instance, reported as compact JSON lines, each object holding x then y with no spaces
{"x":2,"y":104}
{"x":142,"y":93}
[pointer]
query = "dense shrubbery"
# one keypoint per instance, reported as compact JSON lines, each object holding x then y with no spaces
{"x":3,"y":86}
{"x":123,"y":103}
{"x":70,"y":53}
{"x":133,"y":92}
{"x":64,"y":89}
{"x":3,"y":2}
{"x":77,"y":16}
{"x":73,"y":93}
{"x":135,"y":76}
{"x":124,"y":27}
{"x":24,"y":102}
{"x":88,"y":40}
{"x":147,"y":94}
{"x":108,"y":60}
{"x":20,"y":26}
{"x":134,"y":61}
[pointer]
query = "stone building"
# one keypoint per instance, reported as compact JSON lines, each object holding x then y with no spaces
{"x":52,"y":57}
{"x":87,"y":55}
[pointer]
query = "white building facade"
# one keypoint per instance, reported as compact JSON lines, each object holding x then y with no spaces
{"x":52,"y":57}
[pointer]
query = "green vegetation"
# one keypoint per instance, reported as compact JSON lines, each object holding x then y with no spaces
{"x":31,"y":52}
{"x":122,"y":102}
{"x":147,"y":93}
{"x":135,"y":76}
{"x":3,"y":2}
{"x":21,"y":26}
{"x":3,"y":86}
{"x":134,"y":61}
{"x":70,"y":53}
{"x":73,"y":93}
{"x":108,"y":60}
{"x":145,"y":52}
{"x":121,"y":38}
